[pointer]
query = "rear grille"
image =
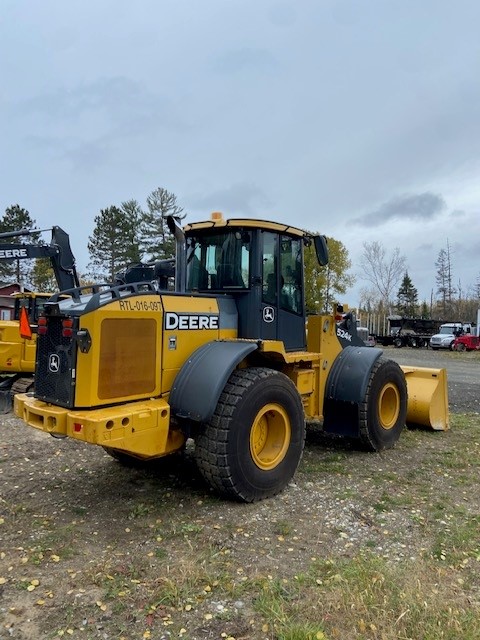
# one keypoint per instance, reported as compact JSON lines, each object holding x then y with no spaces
{"x":55,"y":361}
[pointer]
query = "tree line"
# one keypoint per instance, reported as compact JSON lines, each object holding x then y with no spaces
{"x":130,"y":233}
{"x":123,"y":235}
{"x":391,"y":289}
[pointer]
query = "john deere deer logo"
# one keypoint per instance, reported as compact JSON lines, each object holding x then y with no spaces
{"x":54,"y":363}
{"x":268,"y":314}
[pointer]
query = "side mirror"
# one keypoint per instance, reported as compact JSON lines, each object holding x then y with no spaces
{"x":321,"y":249}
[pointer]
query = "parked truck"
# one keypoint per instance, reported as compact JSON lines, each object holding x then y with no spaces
{"x":448,"y":332}
{"x":408,"y":332}
{"x":467,"y":342}
{"x":228,"y":360}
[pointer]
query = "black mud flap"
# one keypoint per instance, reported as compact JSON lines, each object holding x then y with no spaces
{"x":345,"y":390}
{"x":199,"y":383}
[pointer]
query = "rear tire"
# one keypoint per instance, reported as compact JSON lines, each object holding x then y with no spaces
{"x":384,"y":410}
{"x":253,"y":444}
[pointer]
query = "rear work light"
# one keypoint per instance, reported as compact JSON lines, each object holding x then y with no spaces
{"x":67,"y":328}
{"x":42,"y":326}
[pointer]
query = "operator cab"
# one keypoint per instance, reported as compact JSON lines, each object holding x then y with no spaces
{"x":260,"y":264}
{"x":34,"y":303}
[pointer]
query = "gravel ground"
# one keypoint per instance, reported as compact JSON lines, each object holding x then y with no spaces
{"x":463,"y":371}
{"x":88,"y":547}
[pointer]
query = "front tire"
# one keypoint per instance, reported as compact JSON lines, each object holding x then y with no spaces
{"x":253,"y":444}
{"x":384,"y":409}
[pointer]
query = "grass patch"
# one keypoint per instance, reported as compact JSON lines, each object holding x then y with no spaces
{"x":368,"y":596}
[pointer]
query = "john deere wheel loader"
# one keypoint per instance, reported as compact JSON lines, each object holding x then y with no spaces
{"x":18,"y":337}
{"x":227,"y":360}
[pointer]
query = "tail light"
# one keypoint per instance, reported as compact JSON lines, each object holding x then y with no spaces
{"x":42,"y":326}
{"x":67,"y":328}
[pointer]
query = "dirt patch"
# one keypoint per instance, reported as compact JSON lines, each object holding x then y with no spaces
{"x":91,"y":549}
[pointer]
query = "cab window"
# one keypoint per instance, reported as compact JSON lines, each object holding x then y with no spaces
{"x":291,"y":279}
{"x":219,"y":261}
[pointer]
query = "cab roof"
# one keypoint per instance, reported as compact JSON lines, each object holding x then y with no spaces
{"x":219,"y":222}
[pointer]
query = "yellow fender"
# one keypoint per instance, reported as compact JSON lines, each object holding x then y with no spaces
{"x":427,"y":397}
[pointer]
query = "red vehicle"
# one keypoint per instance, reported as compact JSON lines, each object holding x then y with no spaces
{"x":467,"y":342}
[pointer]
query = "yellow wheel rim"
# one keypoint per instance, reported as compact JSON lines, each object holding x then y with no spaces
{"x":388,"y":406}
{"x":270,"y":436}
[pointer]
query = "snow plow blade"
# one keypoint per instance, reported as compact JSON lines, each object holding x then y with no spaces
{"x":427,"y":397}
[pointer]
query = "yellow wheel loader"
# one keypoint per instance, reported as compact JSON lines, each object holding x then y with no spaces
{"x":228,"y":359}
{"x":18,"y":336}
{"x":18,"y":346}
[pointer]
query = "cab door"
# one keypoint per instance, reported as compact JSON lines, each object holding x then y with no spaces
{"x":283,"y":304}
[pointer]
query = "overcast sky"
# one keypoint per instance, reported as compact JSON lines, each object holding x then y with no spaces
{"x":359,"y":119}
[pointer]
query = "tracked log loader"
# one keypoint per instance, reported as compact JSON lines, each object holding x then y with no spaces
{"x":228,"y":359}
{"x":18,"y":336}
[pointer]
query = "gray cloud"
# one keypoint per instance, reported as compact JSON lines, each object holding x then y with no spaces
{"x":423,"y":206}
{"x":101,"y":118}
{"x":237,"y":199}
{"x":427,"y":246}
{"x":119,"y":99}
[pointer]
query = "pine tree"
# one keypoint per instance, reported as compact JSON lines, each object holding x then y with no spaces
{"x":156,"y":239}
{"x":425,"y":310}
{"x":114,"y":242}
{"x":17,"y":218}
{"x":133,"y":215}
{"x":407,"y":298}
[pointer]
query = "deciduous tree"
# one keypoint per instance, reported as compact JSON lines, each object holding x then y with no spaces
{"x":383,"y":272}
{"x":323,"y":285}
{"x":43,"y":277}
{"x":445,"y":288}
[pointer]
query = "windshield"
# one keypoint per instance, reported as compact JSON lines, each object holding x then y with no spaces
{"x":218,"y":261}
{"x":447,"y":330}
